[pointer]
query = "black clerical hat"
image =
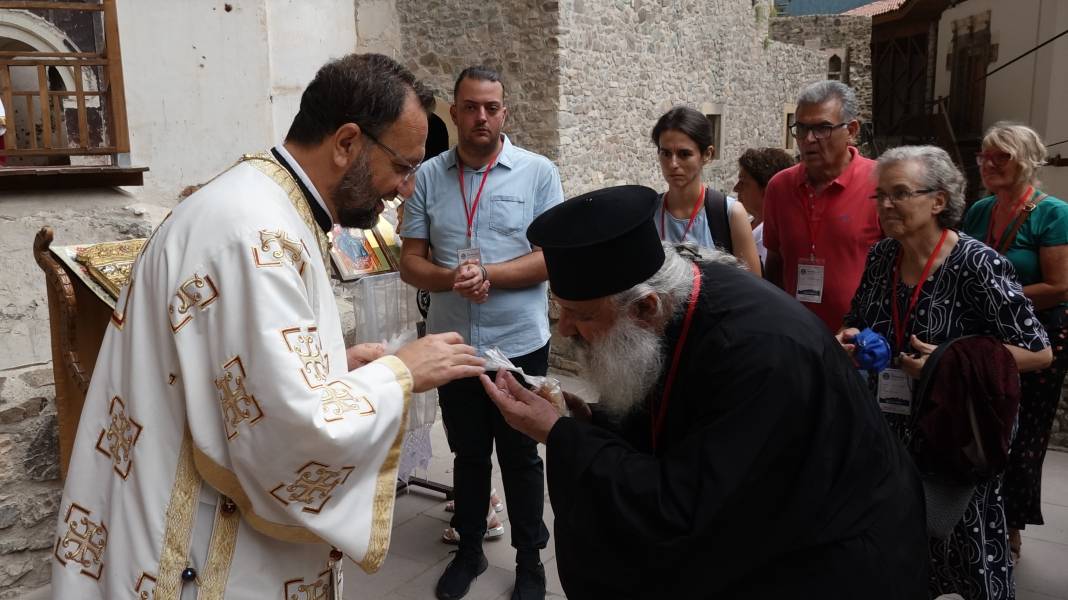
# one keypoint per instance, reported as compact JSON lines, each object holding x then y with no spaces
{"x":599,"y":243}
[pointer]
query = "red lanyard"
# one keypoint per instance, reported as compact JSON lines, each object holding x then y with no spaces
{"x":658,"y":421}
{"x":693,"y":215}
{"x":470,"y":212}
{"x":1017,"y":210}
{"x":899,"y":325}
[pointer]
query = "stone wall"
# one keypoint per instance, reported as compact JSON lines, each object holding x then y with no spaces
{"x":29,"y":475}
{"x":849,"y":33}
{"x":520,"y":38}
{"x":624,"y":63}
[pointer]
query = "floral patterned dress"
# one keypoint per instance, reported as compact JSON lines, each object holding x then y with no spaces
{"x":974,"y":291}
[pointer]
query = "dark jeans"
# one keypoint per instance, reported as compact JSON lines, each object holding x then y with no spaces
{"x":473,"y":423}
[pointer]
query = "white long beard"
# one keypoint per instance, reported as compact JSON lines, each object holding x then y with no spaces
{"x":623,"y":366}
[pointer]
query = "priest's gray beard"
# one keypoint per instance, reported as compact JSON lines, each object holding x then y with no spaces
{"x":355,"y":198}
{"x":623,"y":366}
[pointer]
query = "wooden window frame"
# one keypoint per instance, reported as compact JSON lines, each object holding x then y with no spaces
{"x":111,"y":91}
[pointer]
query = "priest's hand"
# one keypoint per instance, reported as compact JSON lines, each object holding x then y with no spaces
{"x":578,"y":407}
{"x":523,"y":410}
{"x":912,"y":364}
{"x":439,"y":358}
{"x":361,"y":354}
{"x":470,"y":281}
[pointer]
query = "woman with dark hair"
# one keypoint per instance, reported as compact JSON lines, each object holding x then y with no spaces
{"x":755,"y":169}
{"x":1030,"y":228}
{"x":689,"y":211}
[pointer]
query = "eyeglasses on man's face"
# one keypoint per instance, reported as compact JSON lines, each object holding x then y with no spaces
{"x":899,"y":195}
{"x":995,"y":157}
{"x":401,"y":165}
{"x":820,"y":132}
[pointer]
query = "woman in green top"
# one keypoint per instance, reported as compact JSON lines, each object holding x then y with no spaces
{"x":1030,"y":228}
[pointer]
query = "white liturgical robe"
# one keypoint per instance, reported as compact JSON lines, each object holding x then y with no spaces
{"x":222,"y":431}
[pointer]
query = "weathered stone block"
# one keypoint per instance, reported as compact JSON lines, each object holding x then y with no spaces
{"x":41,"y":506}
{"x":14,"y":568}
{"x":38,"y":377}
{"x":42,"y":453}
{"x":20,"y":411}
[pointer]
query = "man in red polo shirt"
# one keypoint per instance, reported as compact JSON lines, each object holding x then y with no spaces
{"x":819,"y":220}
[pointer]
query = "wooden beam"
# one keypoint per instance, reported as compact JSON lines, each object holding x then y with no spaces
{"x":58,"y":93}
{"x":62,"y":177}
{"x":10,"y":141}
{"x":116,"y":87}
{"x":46,"y":117}
{"x":35,"y":54}
{"x":83,"y":120}
{"x":28,"y":5}
{"x":89,"y":62}
{"x":35,"y":151}
{"x":32,"y":121}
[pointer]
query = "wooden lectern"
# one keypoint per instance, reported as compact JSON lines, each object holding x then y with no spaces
{"x":78,"y":318}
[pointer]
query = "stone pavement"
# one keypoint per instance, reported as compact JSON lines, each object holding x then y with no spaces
{"x":1042,"y":573}
{"x":417,"y":557}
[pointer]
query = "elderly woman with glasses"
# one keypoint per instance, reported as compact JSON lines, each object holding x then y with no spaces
{"x":926,"y":284}
{"x":1030,"y":228}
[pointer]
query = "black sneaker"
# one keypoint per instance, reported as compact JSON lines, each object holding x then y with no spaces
{"x":456,"y":580}
{"x":529,"y":582}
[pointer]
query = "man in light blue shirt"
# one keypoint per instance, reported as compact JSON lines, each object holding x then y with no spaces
{"x":465,"y":241}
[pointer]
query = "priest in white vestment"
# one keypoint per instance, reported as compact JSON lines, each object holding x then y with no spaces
{"x":226,"y":449}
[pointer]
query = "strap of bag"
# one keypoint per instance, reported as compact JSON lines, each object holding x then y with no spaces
{"x":1027,"y":210}
{"x":719,"y":224}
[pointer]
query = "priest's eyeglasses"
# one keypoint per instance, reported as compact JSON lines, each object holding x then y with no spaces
{"x":820,"y":132}
{"x":398,"y":162}
{"x":899,"y":195}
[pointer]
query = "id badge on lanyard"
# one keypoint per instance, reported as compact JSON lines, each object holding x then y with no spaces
{"x":895,"y":392}
{"x":810,"y":277}
{"x":472,"y":254}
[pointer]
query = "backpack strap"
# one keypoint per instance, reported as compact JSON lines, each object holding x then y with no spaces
{"x":719,"y":224}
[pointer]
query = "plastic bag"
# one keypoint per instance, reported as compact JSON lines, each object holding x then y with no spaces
{"x":544,"y":386}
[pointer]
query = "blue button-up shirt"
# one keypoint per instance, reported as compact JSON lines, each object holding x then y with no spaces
{"x":521,"y":186}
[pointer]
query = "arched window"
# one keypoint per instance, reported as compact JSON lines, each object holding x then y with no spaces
{"x":834,"y":67}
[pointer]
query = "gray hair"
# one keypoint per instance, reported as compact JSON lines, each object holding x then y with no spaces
{"x":822,"y":91}
{"x":671,"y":284}
{"x":1022,"y":143}
{"x":939,"y":173}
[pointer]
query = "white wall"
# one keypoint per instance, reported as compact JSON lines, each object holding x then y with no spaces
{"x":301,"y":40}
{"x":1032,"y":90}
{"x":204,"y":85}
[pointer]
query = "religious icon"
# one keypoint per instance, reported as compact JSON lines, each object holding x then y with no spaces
{"x":357,"y":252}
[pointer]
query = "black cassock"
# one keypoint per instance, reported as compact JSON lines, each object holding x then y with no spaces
{"x":775,"y":474}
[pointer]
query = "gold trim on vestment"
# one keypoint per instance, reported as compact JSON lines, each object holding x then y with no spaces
{"x":226,"y":482}
{"x":386,"y":486}
{"x":400,"y":371}
{"x":216,"y":571}
{"x":181,"y":511}
{"x":265,"y":163}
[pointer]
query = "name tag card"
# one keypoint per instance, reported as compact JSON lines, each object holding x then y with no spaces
{"x":810,"y":272}
{"x":895,"y":392}
{"x":469,"y":255}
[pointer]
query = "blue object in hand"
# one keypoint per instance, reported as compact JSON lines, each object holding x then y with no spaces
{"x":873,"y":351}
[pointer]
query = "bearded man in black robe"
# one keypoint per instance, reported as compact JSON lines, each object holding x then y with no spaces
{"x":734,"y":451}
